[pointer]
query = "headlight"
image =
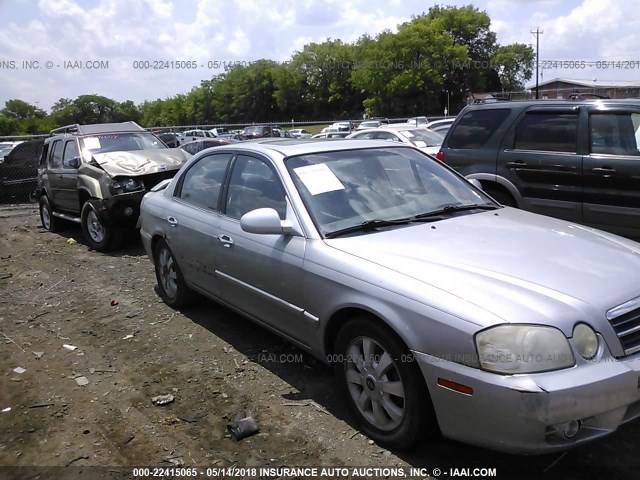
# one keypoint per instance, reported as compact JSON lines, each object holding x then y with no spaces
{"x":125,"y":185}
{"x":585,"y":340}
{"x":514,"y":349}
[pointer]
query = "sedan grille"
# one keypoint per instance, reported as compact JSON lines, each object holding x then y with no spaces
{"x":627,"y":327}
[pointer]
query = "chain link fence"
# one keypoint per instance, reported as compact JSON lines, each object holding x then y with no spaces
{"x":19,"y":169}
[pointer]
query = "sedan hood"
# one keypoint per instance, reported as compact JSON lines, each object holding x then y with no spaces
{"x":519,"y":266}
{"x":141,"y":162}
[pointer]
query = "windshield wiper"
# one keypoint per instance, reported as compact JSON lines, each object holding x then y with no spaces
{"x":368,"y":226}
{"x":448,"y":209}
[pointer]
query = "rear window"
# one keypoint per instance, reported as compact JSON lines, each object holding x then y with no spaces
{"x":476,"y":127}
{"x":547,"y":131}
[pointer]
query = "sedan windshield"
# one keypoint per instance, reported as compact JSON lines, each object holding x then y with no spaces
{"x":421,"y":137}
{"x":372,"y":188}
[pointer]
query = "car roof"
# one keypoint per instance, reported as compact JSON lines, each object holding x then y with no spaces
{"x":521,"y":104}
{"x":295,"y":146}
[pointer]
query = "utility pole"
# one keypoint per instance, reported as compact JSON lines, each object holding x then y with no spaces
{"x":537,"y":32}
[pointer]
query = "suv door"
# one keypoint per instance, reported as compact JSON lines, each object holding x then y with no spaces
{"x":261,"y":274}
{"x":539,"y":157}
{"x":68,"y":178}
{"x":55,"y":174}
{"x":612,"y":169}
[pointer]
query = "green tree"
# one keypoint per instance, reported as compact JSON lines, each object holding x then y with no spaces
{"x":514,"y":64}
{"x":20,"y":110}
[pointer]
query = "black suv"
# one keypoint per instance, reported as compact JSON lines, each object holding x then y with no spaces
{"x":577,"y":160}
{"x":96,"y":175}
{"x":19,"y":171}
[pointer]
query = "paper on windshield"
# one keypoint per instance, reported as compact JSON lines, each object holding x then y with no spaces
{"x":318,"y":179}
{"x":420,"y":144}
{"x":407,"y":133}
{"x":92,"y":143}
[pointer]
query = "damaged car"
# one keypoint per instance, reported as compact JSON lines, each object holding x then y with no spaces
{"x":96,"y":175}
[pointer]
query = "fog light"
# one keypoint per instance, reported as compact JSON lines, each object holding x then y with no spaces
{"x":128,"y":211}
{"x":586,"y":340}
{"x":572,"y":428}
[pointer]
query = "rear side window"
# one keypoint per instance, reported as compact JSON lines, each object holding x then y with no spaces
{"x":615,"y":133}
{"x":476,"y":127}
{"x":56,"y":156}
{"x":547,"y":131}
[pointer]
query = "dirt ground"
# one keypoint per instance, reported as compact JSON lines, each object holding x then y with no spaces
{"x":131,"y":347}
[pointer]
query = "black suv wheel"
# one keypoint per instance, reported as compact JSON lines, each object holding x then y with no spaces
{"x":98,"y":236}
{"x":49,"y":222}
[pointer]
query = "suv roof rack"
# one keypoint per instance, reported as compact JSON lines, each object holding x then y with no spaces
{"x":77,"y":129}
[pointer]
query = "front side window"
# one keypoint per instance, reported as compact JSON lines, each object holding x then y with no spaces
{"x":254,"y":184}
{"x":202,"y":183}
{"x":344,"y":189}
{"x":615,"y":133}
{"x":70,"y":151}
{"x":476,"y":127}
{"x":547,"y":131}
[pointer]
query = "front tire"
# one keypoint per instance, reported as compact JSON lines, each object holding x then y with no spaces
{"x":171,"y":285}
{"x":384,"y":387}
{"x":49,"y":222}
{"x":98,"y":236}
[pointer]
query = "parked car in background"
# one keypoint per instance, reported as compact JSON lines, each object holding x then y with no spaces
{"x":199,"y":145}
{"x":217,"y":131}
{"x":438,"y":309}
{"x":426,"y":140}
{"x":300,"y":133}
{"x":441,"y":126}
{"x":331,"y":135}
{"x":418,"y":121}
{"x":19,"y":170}
{"x":577,"y":160}
{"x":339,"y":127}
{"x":230,"y":136}
{"x":96,"y":175}
{"x":191,"y":135}
{"x":260,"y":131}
{"x":170,"y":139}
{"x":369,"y":124}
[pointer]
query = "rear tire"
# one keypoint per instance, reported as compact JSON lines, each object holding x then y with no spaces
{"x":383,"y":385}
{"x":49,"y":222}
{"x":171,"y":285}
{"x":98,"y":236}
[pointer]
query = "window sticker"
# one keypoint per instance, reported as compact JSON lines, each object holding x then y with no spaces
{"x":420,"y":144}
{"x":92,"y":143}
{"x":318,"y":179}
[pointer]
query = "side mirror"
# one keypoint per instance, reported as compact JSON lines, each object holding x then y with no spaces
{"x":476,"y":183}
{"x":4,"y":159}
{"x":74,"y":162}
{"x":265,"y":221}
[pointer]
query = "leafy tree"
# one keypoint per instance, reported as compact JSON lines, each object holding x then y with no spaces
{"x":514,"y":64}
{"x":20,"y":109}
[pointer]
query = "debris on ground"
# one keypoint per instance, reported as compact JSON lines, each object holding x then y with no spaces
{"x":132,"y":314}
{"x":70,"y":347}
{"x":242,"y":427}
{"x":5,"y":410}
{"x":82,"y":381}
{"x":161,"y":400}
{"x":19,"y":370}
{"x":71,"y":241}
{"x":114,"y":303}
{"x":127,"y":337}
{"x":38,"y":354}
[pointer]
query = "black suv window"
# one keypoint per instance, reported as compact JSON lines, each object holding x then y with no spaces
{"x":55,"y":161}
{"x":547,"y":131}
{"x":615,"y":133}
{"x":202,"y":182}
{"x":70,"y":151}
{"x":476,"y":127}
{"x":254,"y":185}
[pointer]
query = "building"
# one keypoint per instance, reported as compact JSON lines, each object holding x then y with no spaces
{"x":565,"y":87}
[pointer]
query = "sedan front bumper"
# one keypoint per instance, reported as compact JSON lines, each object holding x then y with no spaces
{"x":529,"y":413}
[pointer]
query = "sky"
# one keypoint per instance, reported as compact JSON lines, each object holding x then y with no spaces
{"x":117,"y":43}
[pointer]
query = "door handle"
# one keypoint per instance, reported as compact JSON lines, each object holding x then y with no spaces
{"x":226,"y":241}
{"x":60,"y":176}
{"x":172,"y":221}
{"x":517,"y":164}
{"x":604,"y":171}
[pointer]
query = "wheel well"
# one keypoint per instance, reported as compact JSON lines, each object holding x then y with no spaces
{"x":489,"y":186}
{"x":339,"y":318}
{"x":154,"y":241}
{"x":83,"y":196}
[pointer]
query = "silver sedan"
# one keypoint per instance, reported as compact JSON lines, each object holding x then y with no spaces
{"x":437,"y":307}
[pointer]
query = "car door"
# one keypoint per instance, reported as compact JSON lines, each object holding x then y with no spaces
{"x":193,"y":222}
{"x":55,"y":174}
{"x":68,"y":178}
{"x":539,"y":157}
{"x":611,"y":170}
{"x":261,"y":274}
